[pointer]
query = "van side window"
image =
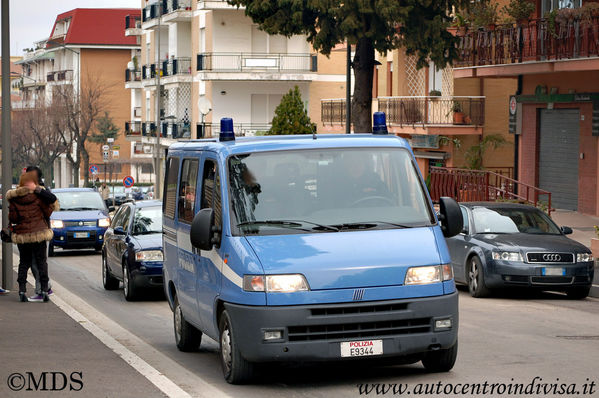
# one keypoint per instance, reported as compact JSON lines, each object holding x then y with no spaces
{"x":187,"y":190}
{"x":465,"y":217}
{"x":211,"y":191}
{"x":170,"y":198}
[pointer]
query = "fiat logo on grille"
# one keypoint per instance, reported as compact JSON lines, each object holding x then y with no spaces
{"x":552,"y":257}
{"x":358,"y":294}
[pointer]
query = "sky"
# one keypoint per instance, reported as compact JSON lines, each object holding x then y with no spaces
{"x":32,"y":20}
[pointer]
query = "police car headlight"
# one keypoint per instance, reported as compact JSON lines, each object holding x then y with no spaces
{"x":275,"y":283}
{"x":148,"y":255}
{"x":584,"y":257}
{"x":56,"y":224}
{"x":428,"y":274}
{"x":507,"y":256}
{"x":104,"y":222}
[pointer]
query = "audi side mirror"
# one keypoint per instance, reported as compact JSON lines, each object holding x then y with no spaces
{"x":450,"y":217}
{"x":566,"y":230}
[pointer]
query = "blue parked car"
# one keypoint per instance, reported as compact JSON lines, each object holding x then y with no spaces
{"x":307,"y":248}
{"x":81,"y":221}
{"x":132,"y":250}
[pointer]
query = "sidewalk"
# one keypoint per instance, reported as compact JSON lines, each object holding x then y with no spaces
{"x":40,"y":337}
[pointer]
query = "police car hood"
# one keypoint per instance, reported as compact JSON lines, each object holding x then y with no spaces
{"x":338,"y":260}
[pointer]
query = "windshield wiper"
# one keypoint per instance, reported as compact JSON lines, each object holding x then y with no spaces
{"x":81,"y":208}
{"x":289,"y":224}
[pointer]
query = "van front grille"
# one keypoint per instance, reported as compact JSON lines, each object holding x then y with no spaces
{"x":362,"y":309}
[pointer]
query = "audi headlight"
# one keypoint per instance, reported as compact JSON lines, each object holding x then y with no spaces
{"x":584,"y":257}
{"x":507,"y":256}
{"x":275,"y":283}
{"x":104,"y":222}
{"x":56,"y":224}
{"x":428,"y":274}
{"x":148,"y":255}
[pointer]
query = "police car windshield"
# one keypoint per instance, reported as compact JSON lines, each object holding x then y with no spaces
{"x":328,"y":187}
{"x":497,"y":220}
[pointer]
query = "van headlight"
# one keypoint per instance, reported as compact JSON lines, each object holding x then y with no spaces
{"x":56,"y":224}
{"x":508,"y":256}
{"x":148,"y":255}
{"x":428,"y":274}
{"x":288,"y":283}
{"x":584,"y":257}
{"x":104,"y":222}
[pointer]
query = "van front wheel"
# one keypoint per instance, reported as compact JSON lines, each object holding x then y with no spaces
{"x":187,"y":337}
{"x":236,"y":369}
{"x":441,"y":360}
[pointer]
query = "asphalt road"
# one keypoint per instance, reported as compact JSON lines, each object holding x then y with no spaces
{"x":508,"y":339}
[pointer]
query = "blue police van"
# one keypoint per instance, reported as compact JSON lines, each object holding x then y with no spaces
{"x":308,"y":248}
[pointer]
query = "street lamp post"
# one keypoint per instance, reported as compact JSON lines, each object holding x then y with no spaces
{"x":7,"y":270}
{"x":157,"y":150}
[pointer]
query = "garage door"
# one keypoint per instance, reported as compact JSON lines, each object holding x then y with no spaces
{"x":558,"y":156}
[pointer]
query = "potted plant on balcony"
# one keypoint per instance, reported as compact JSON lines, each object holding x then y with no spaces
{"x":519,"y":10}
{"x":434,"y":94}
{"x":460,"y":24}
{"x":458,"y":113}
{"x":484,"y":14}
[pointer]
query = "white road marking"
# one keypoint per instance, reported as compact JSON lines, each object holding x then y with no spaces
{"x":111,"y":332}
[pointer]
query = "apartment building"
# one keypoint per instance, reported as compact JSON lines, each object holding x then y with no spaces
{"x":206,"y":60}
{"x":554,"y":107}
{"x":85,"y":45}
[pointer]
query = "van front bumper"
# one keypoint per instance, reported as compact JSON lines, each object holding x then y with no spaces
{"x":314,"y":332}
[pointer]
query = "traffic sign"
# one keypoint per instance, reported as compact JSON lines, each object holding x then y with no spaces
{"x":116,"y":147}
{"x":128,"y":182}
{"x":105,"y":147}
{"x":110,"y":140}
{"x":93,"y":169}
{"x":105,"y":155}
{"x":115,"y":154}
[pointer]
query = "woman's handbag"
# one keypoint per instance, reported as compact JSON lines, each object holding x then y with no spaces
{"x":6,"y":235}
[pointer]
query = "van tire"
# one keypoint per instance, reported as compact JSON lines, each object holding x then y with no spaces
{"x":187,"y":337}
{"x":475,"y":277}
{"x":440,"y":360}
{"x":236,"y":369}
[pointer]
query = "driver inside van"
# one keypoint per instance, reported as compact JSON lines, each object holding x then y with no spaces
{"x":362,"y":182}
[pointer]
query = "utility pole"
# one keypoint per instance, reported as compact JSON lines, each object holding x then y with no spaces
{"x":6,"y":143}
{"x":348,"y":90}
{"x":157,"y":149}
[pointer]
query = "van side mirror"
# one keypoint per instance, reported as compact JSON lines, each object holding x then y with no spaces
{"x":204,"y":234}
{"x":566,"y":230}
{"x":450,"y":216}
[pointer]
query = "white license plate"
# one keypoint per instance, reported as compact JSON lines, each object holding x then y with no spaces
{"x":81,"y":234}
{"x":362,"y":348}
{"x":554,"y":271}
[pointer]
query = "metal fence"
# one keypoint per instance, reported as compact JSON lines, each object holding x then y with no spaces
{"x":249,"y":62}
{"x":132,"y":75}
{"x":176,"y":66}
{"x":241,"y":129}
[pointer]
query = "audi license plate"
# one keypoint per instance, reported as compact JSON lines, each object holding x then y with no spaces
{"x":362,"y":348}
{"x":554,"y":271}
{"x":81,"y":235}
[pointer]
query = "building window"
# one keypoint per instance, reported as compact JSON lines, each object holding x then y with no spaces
{"x":147,"y":168}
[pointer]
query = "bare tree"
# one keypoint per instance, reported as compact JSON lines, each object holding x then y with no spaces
{"x":76,"y":117}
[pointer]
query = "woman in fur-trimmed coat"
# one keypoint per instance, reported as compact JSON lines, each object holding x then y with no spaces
{"x":30,"y":207}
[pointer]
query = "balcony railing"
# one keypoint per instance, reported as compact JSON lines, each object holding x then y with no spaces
{"x":132,"y":22}
{"x":251,"y":62}
{"x":132,"y":75}
{"x":164,"y":7}
{"x":537,"y":40}
{"x":151,"y":11}
{"x":175,"y":5}
{"x":240,"y":129}
{"x":60,"y":75}
{"x":133,"y":128}
{"x":411,"y":111}
{"x":176,"y":66}
{"x":176,"y":129}
{"x":148,"y":72}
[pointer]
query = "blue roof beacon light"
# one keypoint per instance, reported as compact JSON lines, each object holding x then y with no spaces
{"x":226,"y":130}
{"x":379,"y":125}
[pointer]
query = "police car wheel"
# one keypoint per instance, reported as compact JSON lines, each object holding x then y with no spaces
{"x":187,"y":337}
{"x":440,"y":360}
{"x":236,"y":369}
{"x":108,"y":281}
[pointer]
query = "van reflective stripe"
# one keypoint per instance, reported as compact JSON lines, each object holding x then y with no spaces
{"x":184,"y":242}
{"x":227,"y":272}
{"x":170,"y":235}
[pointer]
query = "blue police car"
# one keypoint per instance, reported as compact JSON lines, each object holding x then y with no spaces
{"x":308,"y":248}
{"x":81,"y":221}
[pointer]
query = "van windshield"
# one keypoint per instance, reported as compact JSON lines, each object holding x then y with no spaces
{"x":323,"y":190}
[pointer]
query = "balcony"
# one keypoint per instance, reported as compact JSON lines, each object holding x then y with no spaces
{"x":176,"y":70}
{"x":132,"y":78}
{"x":60,"y":76}
{"x":257,"y":66}
{"x":419,"y":115}
{"x":176,"y":129}
{"x":539,"y":46}
{"x":133,"y":25}
{"x":205,"y":130}
{"x":133,"y":129}
{"x":176,"y":10}
{"x":150,"y":14}
{"x":215,"y":5}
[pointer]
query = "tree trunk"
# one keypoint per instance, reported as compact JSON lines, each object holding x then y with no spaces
{"x":363,"y":66}
{"x":85,"y":157}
